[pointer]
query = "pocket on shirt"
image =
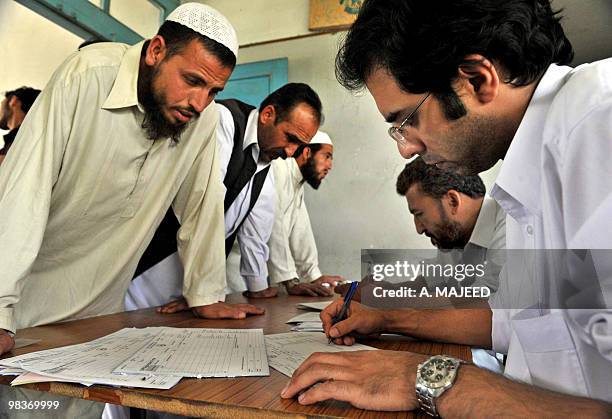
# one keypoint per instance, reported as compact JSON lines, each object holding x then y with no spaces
{"x":550,"y":352}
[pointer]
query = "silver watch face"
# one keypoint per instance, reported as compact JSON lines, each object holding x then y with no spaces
{"x":438,"y":372}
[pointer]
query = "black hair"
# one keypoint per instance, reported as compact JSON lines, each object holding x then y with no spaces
{"x":313,"y":147}
{"x":26,"y":95}
{"x":436,"y":182}
{"x":178,"y":36}
{"x":291,"y":95}
{"x":423,"y":43}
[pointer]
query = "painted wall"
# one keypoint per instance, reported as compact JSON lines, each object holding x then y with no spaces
{"x":356,"y":206}
{"x":31,"y":48}
{"x":262,"y":20}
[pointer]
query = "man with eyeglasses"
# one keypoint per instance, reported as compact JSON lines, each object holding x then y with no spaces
{"x":248,"y":139}
{"x":481,"y":81}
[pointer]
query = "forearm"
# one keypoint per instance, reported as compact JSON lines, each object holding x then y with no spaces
{"x":462,"y":326}
{"x":480,"y":393}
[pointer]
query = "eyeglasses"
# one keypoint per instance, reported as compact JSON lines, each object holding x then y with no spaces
{"x":397,"y":133}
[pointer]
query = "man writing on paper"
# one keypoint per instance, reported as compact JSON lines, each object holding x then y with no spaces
{"x":249,"y":139}
{"x":293,"y":252}
{"x":118,"y":136}
{"x":466,"y":83}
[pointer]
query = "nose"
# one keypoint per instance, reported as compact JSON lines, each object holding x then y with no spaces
{"x":290,"y":149}
{"x":419,"y":226}
{"x":410,"y":146}
{"x":330,"y":164}
{"x":200,"y":100}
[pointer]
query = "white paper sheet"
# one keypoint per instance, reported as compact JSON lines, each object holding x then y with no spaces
{"x":31,"y":377}
{"x":201,"y":353}
{"x":93,"y":362}
{"x":319,"y":305}
{"x":286,"y":351}
{"x":311,"y":316}
{"x":308,"y":327}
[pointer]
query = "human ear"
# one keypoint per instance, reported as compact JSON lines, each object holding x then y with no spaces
{"x":454,"y":200}
{"x":156,"y":50}
{"x":479,"y":76}
{"x":267,"y":115}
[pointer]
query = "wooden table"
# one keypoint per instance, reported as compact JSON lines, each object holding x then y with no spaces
{"x":247,"y":397}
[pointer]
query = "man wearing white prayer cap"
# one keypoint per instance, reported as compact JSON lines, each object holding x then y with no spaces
{"x":119,"y":135}
{"x":294,"y":261}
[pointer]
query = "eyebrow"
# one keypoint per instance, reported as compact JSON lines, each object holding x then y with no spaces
{"x":294,"y":139}
{"x":202,"y":81}
{"x":392,"y":117}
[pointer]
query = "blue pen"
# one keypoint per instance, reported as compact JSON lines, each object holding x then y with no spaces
{"x":345,"y":307}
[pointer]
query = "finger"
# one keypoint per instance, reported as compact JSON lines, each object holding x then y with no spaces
{"x":315,"y":373}
{"x":309,"y":292}
{"x":172,"y":307}
{"x":331,"y":358}
{"x":251,"y":309}
{"x":346,"y":326}
{"x":348,"y":340}
{"x":338,"y":390}
{"x":328,"y":314}
{"x":323,"y":291}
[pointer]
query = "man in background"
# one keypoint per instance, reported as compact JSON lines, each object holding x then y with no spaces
{"x":249,"y":139}
{"x":452,"y":210}
{"x":14,"y":107}
{"x":294,"y":261}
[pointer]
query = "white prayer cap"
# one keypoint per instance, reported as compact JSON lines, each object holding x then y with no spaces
{"x":208,"y":22}
{"x":321,"y":138}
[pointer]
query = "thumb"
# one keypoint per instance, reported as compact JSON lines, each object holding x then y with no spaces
{"x":343,"y":328}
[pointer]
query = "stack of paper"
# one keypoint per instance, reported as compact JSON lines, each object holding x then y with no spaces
{"x":165,"y":355}
{"x":318,"y":305}
{"x":306,"y":322}
{"x":287,"y":351}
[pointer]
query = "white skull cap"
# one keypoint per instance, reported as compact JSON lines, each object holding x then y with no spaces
{"x":321,"y":138}
{"x":207,"y":21}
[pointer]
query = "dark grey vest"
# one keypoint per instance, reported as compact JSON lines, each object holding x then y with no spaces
{"x":164,"y":243}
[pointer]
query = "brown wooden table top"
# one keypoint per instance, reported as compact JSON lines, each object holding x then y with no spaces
{"x":211,"y":397}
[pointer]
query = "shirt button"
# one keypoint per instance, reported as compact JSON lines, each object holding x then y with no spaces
{"x":529,"y":230}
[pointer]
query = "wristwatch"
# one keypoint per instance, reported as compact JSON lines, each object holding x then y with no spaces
{"x":434,"y":377}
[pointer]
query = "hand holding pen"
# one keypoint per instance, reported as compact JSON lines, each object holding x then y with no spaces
{"x":342,"y":315}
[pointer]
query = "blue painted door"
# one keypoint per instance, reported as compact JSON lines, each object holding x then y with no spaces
{"x":252,"y":82}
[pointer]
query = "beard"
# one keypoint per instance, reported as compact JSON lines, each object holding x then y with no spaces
{"x":6,"y":115}
{"x":449,"y":234}
{"x":477,"y":143}
{"x":309,"y":172}
{"x":155,"y":124}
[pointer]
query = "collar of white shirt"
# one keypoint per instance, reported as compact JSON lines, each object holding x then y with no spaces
{"x":296,"y":174}
{"x":517,"y":185}
{"x":125,"y":89}
{"x":250,"y":137}
{"x":484,"y":229}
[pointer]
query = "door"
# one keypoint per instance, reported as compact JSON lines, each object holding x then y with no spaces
{"x":252,"y":82}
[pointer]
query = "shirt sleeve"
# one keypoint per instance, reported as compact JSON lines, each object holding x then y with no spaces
{"x":253,"y":237}
{"x":27,"y":176}
{"x":303,"y":246}
{"x":581,"y":177}
{"x":281,"y":266}
{"x":200,"y":239}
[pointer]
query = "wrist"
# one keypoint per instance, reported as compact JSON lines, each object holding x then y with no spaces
{"x":400,"y":321}
{"x":467,"y":377}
